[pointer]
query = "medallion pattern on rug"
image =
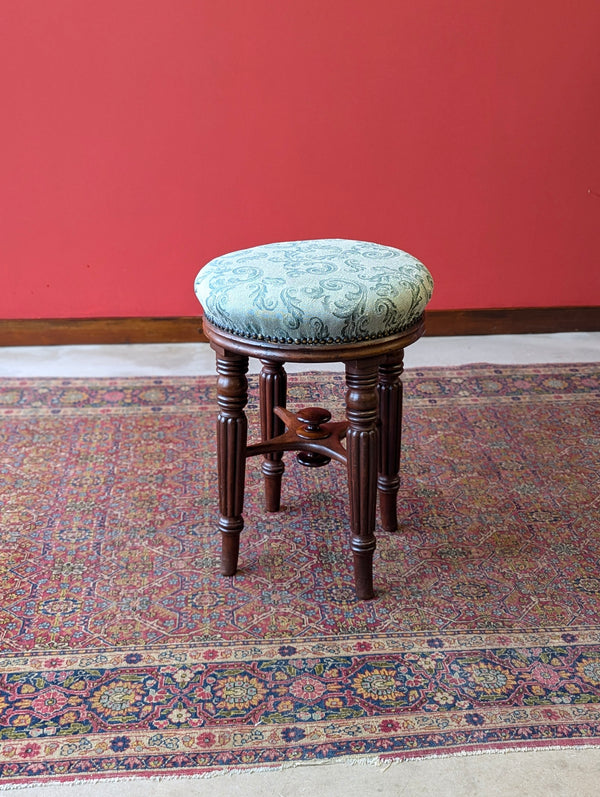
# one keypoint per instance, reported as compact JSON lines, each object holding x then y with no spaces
{"x":124,"y":652}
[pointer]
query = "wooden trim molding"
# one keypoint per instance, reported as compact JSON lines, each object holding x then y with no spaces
{"x":512,"y":321}
{"x":187,"y":329}
{"x":81,"y":331}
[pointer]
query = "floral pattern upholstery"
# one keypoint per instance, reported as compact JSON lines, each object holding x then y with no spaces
{"x":314,"y":292}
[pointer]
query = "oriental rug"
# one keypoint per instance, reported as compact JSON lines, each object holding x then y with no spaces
{"x":124,"y":653}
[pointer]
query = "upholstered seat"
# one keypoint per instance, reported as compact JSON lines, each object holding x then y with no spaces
{"x":318,"y":301}
{"x":314,"y":292}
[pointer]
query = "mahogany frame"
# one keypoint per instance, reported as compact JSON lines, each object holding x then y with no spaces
{"x":373,"y":433}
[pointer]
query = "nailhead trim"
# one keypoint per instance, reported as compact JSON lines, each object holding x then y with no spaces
{"x":314,"y":341}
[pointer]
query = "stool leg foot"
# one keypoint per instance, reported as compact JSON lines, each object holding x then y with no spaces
{"x":272,"y":393}
{"x":232,"y":433}
{"x":390,"y":417}
{"x":361,"y":444}
{"x":230,"y":549}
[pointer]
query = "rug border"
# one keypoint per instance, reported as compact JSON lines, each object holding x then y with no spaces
{"x":366,"y":760}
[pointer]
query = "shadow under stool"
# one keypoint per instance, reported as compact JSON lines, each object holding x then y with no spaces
{"x":321,"y":301}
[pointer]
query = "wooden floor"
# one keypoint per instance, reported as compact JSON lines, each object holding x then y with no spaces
{"x":189,"y":359}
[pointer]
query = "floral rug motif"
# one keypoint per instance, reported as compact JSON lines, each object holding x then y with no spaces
{"x":123,"y":652}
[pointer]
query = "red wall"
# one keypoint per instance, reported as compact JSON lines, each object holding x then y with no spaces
{"x":141,"y":138}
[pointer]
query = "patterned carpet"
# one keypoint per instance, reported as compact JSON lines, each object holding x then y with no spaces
{"x":123,"y":651}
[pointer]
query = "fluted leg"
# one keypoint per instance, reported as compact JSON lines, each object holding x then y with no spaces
{"x":272,"y":391}
{"x":232,"y":432}
{"x":390,"y":415}
{"x":362,"y":445}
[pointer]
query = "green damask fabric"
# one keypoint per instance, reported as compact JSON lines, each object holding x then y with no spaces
{"x":314,"y":292}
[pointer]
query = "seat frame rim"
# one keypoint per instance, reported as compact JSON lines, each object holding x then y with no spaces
{"x":311,"y":353}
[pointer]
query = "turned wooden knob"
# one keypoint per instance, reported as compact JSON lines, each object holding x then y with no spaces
{"x":311,"y":419}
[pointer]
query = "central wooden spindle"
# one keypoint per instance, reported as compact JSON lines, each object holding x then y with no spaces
{"x":311,"y":419}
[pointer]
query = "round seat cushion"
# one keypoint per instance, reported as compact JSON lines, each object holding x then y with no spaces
{"x":314,"y":292}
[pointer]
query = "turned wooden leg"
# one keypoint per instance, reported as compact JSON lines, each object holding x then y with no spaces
{"x":232,"y":432}
{"x":390,"y":416}
{"x":361,"y":445}
{"x":272,"y":392}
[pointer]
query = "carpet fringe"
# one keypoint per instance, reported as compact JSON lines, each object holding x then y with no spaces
{"x":383,"y":761}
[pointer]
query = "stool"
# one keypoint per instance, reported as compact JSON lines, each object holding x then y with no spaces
{"x":319,"y":301}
